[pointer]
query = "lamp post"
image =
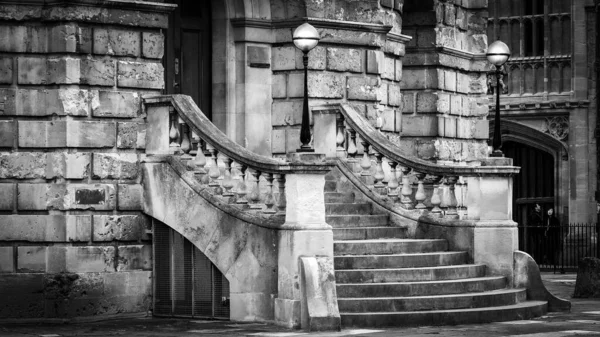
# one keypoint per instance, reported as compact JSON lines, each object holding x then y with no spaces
{"x":497,"y":54}
{"x":305,"y":38}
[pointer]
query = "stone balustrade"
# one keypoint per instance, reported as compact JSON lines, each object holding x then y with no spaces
{"x":440,"y":191}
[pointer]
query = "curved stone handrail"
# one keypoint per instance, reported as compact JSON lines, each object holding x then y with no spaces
{"x":393,"y":152}
{"x":191,"y":114}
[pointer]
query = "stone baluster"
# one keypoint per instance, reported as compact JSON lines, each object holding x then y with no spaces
{"x":185,"y":145}
{"x":420,"y":194}
{"x":452,"y":204}
{"x":281,"y":201}
{"x":444,"y":196}
{"x":254,"y":195}
{"x":365,"y":163}
{"x":436,"y":198}
{"x":406,"y":189}
{"x":393,"y":182}
{"x":463,"y":193}
{"x":339,"y":137}
{"x":352,"y":149}
{"x":269,"y":199}
{"x":241,"y":187}
{"x":379,"y":175}
{"x":199,"y":161}
{"x":174,"y":132}
{"x":228,"y":182}
{"x":213,"y":172}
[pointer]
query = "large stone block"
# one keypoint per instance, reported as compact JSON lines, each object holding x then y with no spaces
{"x":131,"y":197}
{"x":425,"y":126}
{"x":8,"y":195}
{"x":66,"y":196}
{"x":363,"y":88}
{"x":279,"y":88}
{"x":22,"y":165}
{"x":286,"y":112}
{"x":6,"y":70}
{"x":67,"y":165}
{"x":7,"y":264}
{"x":32,"y":70}
{"x":90,"y":134}
{"x":278,"y":141}
{"x":36,"y":102}
{"x":389,"y":68}
{"x":120,"y":227}
{"x":284,"y":58}
{"x":136,"y":257}
{"x":98,"y":72}
{"x":119,"y":104}
{"x":153,"y":45}
{"x":7,"y":133}
{"x":12,"y":39}
{"x":45,"y":228}
{"x":116,"y":42}
{"x":131,"y":135}
{"x":140,"y":75}
{"x":320,"y":85}
{"x":64,"y":70}
{"x":115,"y":165}
{"x":345,"y":59}
{"x":374,"y":62}
{"x":89,"y":259}
{"x":70,"y":38}
{"x":394,"y":95}
{"x":31,"y":259}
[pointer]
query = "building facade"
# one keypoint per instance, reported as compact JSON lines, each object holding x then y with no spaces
{"x":80,"y":234}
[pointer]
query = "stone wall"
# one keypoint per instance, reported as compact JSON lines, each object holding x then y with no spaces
{"x":358,"y":60}
{"x":444,"y":82}
{"x":73,"y":239}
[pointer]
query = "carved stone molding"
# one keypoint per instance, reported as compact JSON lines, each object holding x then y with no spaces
{"x":542,"y":105}
{"x":557,"y":127}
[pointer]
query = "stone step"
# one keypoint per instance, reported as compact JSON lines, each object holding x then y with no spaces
{"x":388,"y":246}
{"x":365,"y":233}
{"x":337,"y":197}
{"x":520,"y":311}
{"x":410,"y":274}
{"x":438,"y":302}
{"x":347,"y":209}
{"x":427,"y":288}
{"x":399,"y":260}
{"x":371,"y":220}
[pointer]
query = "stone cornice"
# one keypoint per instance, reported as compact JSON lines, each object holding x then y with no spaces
{"x":335,"y":24}
{"x":253,"y":23}
{"x":117,"y":4}
{"x":570,"y":104}
{"x":399,"y":37}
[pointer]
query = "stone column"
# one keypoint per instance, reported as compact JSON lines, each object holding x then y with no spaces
{"x":305,"y":233}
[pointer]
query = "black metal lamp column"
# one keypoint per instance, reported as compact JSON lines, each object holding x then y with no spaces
{"x":497,"y":54}
{"x":305,"y":38}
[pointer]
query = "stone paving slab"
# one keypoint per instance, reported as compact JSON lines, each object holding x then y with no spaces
{"x":583,"y":320}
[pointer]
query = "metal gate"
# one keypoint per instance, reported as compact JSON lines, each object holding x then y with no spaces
{"x":186,"y":283}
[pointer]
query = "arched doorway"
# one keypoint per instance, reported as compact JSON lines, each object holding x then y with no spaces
{"x":188,"y":52}
{"x":186,"y":283}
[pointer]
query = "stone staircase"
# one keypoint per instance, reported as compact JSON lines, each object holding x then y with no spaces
{"x":386,"y":279}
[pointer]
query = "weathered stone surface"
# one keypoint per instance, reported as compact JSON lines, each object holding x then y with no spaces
{"x":316,"y":59}
{"x":32,"y":70}
{"x":318,"y":284}
{"x":120,"y":227}
{"x":116,"y":42}
{"x":31,"y":259}
{"x":22,"y":295}
{"x":279,"y":88}
{"x":136,"y":257}
{"x":36,"y":102}
{"x":320,"y":85}
{"x":66,"y":134}
{"x":389,"y":68}
{"x":115,"y":165}
{"x":66,"y":196}
{"x":90,"y":134}
{"x":278,"y":141}
{"x":22,"y":165}
{"x":67,"y":165}
{"x":153,"y":45}
{"x":286,"y":113}
{"x":394,"y":95}
{"x":374,"y":62}
{"x":8,"y":194}
{"x":45,"y":228}
{"x":425,"y":125}
{"x":131,"y":135}
{"x":588,"y":278}
{"x":64,"y":70}
{"x":7,"y":133}
{"x":363,"y":88}
{"x":98,"y":72}
{"x":140,"y":75}
{"x":7,"y":264}
{"x":130,"y":197}
{"x":119,"y":104}
{"x":284,"y":58}
{"x":345,"y":59}
{"x":6,"y":70}
{"x":89,"y":259}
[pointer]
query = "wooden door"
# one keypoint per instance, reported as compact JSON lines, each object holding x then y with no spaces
{"x":188,"y":62}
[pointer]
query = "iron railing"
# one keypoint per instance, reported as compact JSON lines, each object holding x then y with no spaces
{"x":559,"y":249}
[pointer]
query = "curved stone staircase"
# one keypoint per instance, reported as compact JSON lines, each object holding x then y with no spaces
{"x":386,"y":279}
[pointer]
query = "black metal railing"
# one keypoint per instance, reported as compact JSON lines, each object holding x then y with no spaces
{"x":559,"y":249}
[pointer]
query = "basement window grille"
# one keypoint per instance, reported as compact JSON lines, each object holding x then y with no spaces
{"x":186,"y":283}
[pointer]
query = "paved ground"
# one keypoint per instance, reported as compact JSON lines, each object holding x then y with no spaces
{"x":584,"y":320}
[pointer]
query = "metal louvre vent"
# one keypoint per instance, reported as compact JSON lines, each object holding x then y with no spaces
{"x":186,"y":282}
